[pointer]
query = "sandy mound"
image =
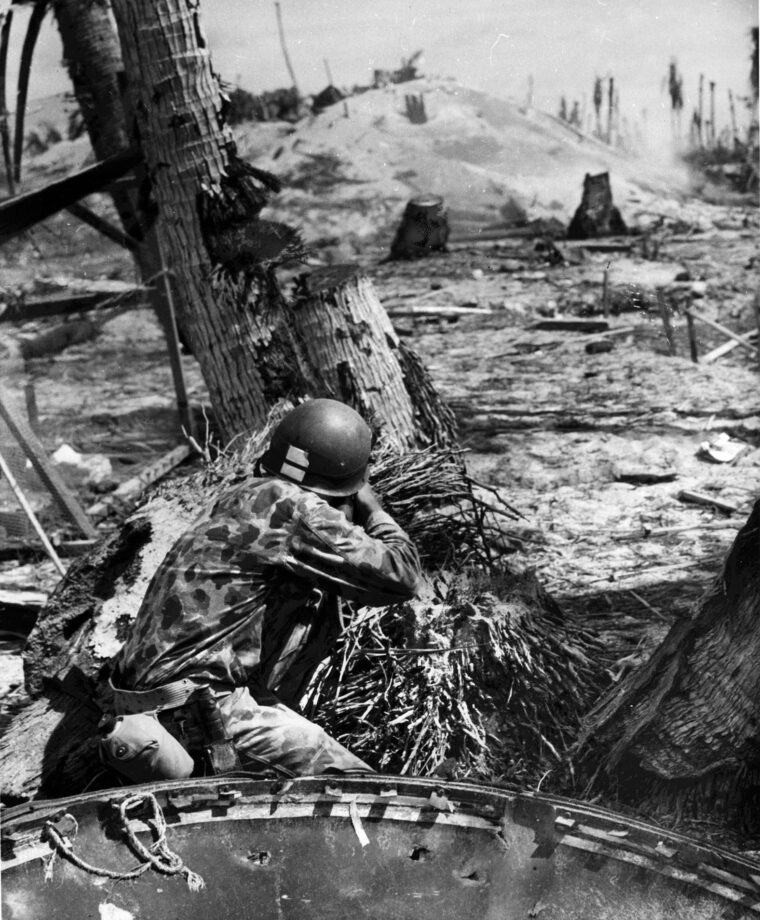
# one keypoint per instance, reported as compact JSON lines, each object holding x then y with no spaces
{"x":349,"y":170}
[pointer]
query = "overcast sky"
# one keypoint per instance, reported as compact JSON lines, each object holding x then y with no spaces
{"x":489,"y":44}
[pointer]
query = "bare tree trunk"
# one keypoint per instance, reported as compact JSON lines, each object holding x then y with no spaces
{"x":192,"y":164}
{"x":222,"y":255}
{"x":684,"y":727}
{"x":93,"y":59}
{"x":345,"y":335}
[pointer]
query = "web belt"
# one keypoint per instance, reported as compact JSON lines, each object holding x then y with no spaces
{"x":167,"y":696}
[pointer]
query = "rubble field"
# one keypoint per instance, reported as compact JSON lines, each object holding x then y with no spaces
{"x":632,"y":468}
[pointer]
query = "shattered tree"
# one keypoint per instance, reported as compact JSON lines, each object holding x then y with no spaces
{"x":681,"y":735}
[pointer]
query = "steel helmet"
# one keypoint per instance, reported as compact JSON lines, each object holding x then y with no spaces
{"x":323,"y":445}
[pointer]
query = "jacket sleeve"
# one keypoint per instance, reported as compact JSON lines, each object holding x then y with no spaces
{"x":373,"y":565}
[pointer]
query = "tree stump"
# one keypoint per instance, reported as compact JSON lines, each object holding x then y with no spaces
{"x":424,"y":229}
{"x":597,"y":215}
{"x":415,"y":109}
{"x":347,"y":340}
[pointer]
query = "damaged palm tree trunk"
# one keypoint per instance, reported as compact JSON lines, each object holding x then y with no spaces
{"x":344,"y":333}
{"x":193,"y":167}
{"x":682,"y":731}
{"x":93,"y":58}
{"x":596,"y":215}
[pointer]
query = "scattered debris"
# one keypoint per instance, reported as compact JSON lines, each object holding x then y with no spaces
{"x":722,"y":449}
{"x":625,"y":472}
{"x":29,"y":512}
{"x":726,"y":347}
{"x":128,"y":492}
{"x":92,"y":470}
{"x":740,"y":340}
{"x":599,"y":347}
{"x":573,"y":324}
{"x":709,"y":501}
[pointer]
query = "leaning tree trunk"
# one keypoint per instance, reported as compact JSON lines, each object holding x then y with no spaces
{"x":92,"y":54}
{"x":222,"y":255}
{"x":683,"y":729}
{"x":93,"y":59}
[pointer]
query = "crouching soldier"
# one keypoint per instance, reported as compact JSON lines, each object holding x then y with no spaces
{"x":248,"y":602}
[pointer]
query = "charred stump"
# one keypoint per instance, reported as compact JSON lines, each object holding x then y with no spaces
{"x":681,"y":733}
{"x":597,"y":215}
{"x":327,"y":97}
{"x":424,"y":229}
{"x":415,"y":109}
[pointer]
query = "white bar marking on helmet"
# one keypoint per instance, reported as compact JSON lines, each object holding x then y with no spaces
{"x":294,"y":472}
{"x":297,"y":456}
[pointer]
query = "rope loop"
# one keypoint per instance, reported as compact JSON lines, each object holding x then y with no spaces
{"x":157,"y":856}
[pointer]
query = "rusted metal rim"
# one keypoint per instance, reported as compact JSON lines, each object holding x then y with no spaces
{"x":550,"y":825}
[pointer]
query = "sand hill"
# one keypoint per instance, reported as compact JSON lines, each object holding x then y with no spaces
{"x":350,"y":169}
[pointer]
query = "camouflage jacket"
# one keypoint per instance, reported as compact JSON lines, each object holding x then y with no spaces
{"x":253,"y":589}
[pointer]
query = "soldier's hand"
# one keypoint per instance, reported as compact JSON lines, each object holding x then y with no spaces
{"x":365,"y":503}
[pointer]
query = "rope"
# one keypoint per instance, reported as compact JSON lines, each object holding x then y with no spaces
{"x":158,"y":856}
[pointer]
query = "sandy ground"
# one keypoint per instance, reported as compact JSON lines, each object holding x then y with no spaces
{"x":555,"y":429}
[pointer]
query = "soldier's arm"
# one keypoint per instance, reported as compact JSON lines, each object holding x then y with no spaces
{"x":373,"y":564}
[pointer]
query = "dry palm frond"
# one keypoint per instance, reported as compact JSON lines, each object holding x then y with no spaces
{"x":495,"y":681}
{"x":430,"y":495}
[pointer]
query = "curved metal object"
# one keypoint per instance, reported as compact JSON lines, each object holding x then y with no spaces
{"x":375,"y":846}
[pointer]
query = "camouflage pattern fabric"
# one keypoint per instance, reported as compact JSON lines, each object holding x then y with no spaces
{"x":278,"y":735}
{"x":251,"y":595}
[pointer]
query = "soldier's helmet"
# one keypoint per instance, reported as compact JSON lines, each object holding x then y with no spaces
{"x":323,"y":445}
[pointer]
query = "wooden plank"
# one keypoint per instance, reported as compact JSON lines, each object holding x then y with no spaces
{"x":24,"y":211}
{"x":22,"y":87}
{"x":493,"y":235}
{"x":610,"y":245}
{"x":693,"y":348}
{"x":5,"y":136}
{"x":21,"y":597}
{"x":106,"y":228}
{"x":29,"y":512}
{"x":443,"y":311}
{"x":726,"y":347}
{"x":34,"y":450}
{"x":709,"y":501}
{"x":572,"y":325}
{"x":129,"y":491}
{"x":66,"y":304}
{"x":740,"y":340}
{"x":161,"y":296}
